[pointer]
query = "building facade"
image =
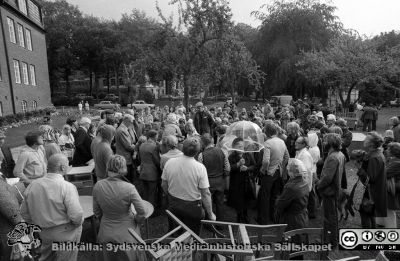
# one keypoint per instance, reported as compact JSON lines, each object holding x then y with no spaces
{"x":24,"y":76}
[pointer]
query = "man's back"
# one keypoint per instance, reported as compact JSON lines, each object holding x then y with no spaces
{"x":51,"y":201}
{"x":150,"y":161}
{"x":185,"y":176}
{"x":82,"y":147}
{"x":275,"y":153}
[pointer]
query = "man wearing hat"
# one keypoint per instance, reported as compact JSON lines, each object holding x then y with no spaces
{"x":202,"y":120}
{"x":7,"y":163}
{"x":185,"y":181}
{"x":83,"y":141}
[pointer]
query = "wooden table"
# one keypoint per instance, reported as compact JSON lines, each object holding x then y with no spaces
{"x":87,"y":206}
{"x":150,"y":209}
{"x":81,"y":172}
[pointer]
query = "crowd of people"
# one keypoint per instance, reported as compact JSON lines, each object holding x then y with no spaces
{"x":176,"y":158}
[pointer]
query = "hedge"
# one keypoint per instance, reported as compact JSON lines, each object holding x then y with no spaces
{"x":16,"y":118}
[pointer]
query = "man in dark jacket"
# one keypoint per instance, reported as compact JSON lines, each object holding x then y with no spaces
{"x":329,"y":186}
{"x":150,"y":171}
{"x":202,"y":120}
{"x":218,"y":168}
{"x":82,"y":143}
{"x":7,"y":163}
{"x":367,"y":118}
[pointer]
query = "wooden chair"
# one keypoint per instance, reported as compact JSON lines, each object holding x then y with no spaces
{"x":312,"y":235}
{"x":172,"y":245}
{"x":239,"y":234}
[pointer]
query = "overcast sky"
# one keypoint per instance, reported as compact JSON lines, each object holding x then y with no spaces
{"x":368,"y":17}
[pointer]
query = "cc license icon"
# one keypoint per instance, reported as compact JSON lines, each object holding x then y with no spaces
{"x":349,"y":239}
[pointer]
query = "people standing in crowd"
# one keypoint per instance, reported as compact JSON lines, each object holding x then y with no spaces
{"x":150,"y":172}
{"x":83,"y":141}
{"x":331,"y":121}
{"x":87,"y":106}
{"x":367,"y":117}
{"x":202,"y":120}
{"x":293,"y":132}
{"x":185,"y":182}
{"x":50,"y":140}
{"x":73,"y":123}
{"x":125,"y":140}
{"x":388,"y":138}
{"x":291,"y":205}
{"x":7,"y":163}
{"x":170,"y":143}
{"x":304,"y":156}
{"x":112,"y":201}
{"x":218,"y":168}
{"x":374,"y":177}
{"x":393,"y":178}
{"x":242,"y":166}
{"x":80,"y":107}
{"x":66,"y":142}
{"x":53,"y":204}
{"x":274,"y":162}
{"x":395,"y":122}
{"x":316,"y":155}
{"x":31,"y":163}
{"x":329,"y":186}
{"x":171,"y":127}
{"x":10,"y":215}
{"x":101,"y":150}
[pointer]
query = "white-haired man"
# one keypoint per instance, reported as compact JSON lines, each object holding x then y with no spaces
{"x":83,"y":141}
{"x":53,"y":204}
{"x":125,"y":140}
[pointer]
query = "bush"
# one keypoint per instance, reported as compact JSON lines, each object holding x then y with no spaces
{"x":147,"y":96}
{"x":15,"y":118}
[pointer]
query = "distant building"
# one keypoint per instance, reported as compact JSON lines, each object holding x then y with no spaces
{"x":24,"y":76}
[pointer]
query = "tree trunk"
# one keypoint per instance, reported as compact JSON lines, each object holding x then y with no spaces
{"x":186,"y":90}
{"x":108,"y":81}
{"x":96,"y":84}
{"x":118,"y":90}
{"x":67,"y":83}
{"x":90,"y":84}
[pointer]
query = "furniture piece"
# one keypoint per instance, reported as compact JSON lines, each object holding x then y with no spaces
{"x":306,"y":236}
{"x":87,"y":206}
{"x":82,"y":178}
{"x":250,"y":234}
{"x":173,"y":251}
{"x":150,"y":210}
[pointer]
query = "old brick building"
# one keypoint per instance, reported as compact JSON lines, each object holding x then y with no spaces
{"x":24,"y":77}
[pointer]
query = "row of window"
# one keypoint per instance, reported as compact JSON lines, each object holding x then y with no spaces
{"x":24,"y":34}
{"x":24,"y":106}
{"x":27,"y":77}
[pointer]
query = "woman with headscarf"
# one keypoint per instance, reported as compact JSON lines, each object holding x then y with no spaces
{"x":393,"y":177}
{"x":50,"y":139}
{"x":291,"y":205}
{"x":112,"y":200}
{"x":242,"y":165}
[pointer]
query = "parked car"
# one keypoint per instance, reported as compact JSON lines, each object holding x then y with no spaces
{"x":395,"y":103}
{"x":104,"y":105}
{"x":83,"y":96}
{"x":111,"y":97}
{"x":140,"y":105}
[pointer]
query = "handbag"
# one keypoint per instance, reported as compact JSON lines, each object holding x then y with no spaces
{"x":391,"y":186}
{"x":367,"y":204}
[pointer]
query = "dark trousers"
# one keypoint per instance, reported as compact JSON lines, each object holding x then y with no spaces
{"x":367,"y":125}
{"x":331,"y":221}
{"x":270,"y":189}
{"x":311,"y":204}
{"x":367,"y":220}
{"x":189,"y":212}
{"x":217,"y":198}
{"x":150,"y":191}
{"x":374,"y":125}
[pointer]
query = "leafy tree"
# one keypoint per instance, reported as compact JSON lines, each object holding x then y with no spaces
{"x":348,"y":63}
{"x":61,"y":21}
{"x":289,"y":27}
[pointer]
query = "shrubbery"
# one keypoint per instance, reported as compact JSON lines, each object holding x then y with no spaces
{"x":15,"y":118}
{"x":147,"y":96}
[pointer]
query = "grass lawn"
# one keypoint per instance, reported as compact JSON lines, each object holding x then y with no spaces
{"x":159,"y":225}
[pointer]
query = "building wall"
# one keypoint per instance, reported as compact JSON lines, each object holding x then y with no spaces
{"x":5,"y":93}
{"x":37,"y":57}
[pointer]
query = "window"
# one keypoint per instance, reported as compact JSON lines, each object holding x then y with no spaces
{"x":34,"y":105}
{"x":24,"y":105}
{"x":33,"y":75}
{"x":34,"y":12}
{"x":1,"y":109}
{"x":22,"y":6}
{"x":11,"y":29}
{"x":21,"y":35}
{"x":25,"y":77}
{"x":28,"y":39}
{"x":17,"y":73}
